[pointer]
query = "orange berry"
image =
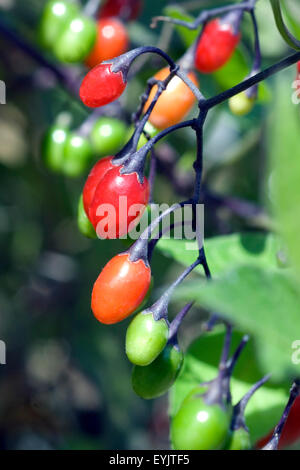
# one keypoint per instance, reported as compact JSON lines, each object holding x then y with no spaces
{"x":120,"y":288}
{"x":174,"y":103}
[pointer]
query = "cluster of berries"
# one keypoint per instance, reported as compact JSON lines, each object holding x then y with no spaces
{"x":73,"y":36}
{"x":206,"y":418}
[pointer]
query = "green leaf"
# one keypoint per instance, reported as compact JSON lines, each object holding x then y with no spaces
{"x":201,"y":364}
{"x":227,"y":251}
{"x":292,"y":14}
{"x":188,"y":36}
{"x":284,"y":156}
{"x":285,"y":33}
{"x":262,"y":303}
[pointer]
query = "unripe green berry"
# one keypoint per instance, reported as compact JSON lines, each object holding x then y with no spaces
{"x":108,"y":136}
{"x":84,"y":225}
{"x":53,"y":147}
{"x":145,"y":339}
{"x":200,"y":426}
{"x":239,"y":440}
{"x":241,"y":104}
{"x":155,"y":379}
{"x":76,"y":40}
{"x":77,"y":155}
{"x":56,"y":14}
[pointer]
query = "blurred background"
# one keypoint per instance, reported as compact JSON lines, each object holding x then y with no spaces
{"x":66,"y":383}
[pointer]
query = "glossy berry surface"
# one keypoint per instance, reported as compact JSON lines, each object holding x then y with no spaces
{"x":120,"y":288}
{"x":53,"y":147}
{"x":240,"y":104}
{"x":199,"y":426}
{"x":126,"y":9}
{"x":56,"y":14}
{"x":95,"y":176}
{"x":108,"y":136}
{"x":239,"y":440}
{"x":174,"y":103}
{"x":155,"y":379}
{"x":118,"y":203}
{"x":145,"y":339}
{"x":101,"y":86}
{"x":84,"y":225}
{"x":216,"y":46}
{"x":112,"y":41}
{"x":76,"y":40}
{"x":77,"y":155}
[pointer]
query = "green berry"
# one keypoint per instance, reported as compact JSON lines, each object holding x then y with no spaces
{"x":108,"y":136}
{"x":145,"y":339}
{"x":151,"y":130}
{"x":77,"y":155}
{"x":76,"y":40}
{"x":56,"y":14}
{"x":199,"y":426}
{"x":241,"y":104}
{"x":239,"y":440}
{"x":84,"y":225}
{"x":53,"y":147}
{"x":155,"y":379}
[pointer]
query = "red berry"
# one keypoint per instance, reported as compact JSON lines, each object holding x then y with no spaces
{"x":120,"y":288}
{"x":298,"y":67}
{"x":118,"y":203}
{"x":126,"y":9}
{"x":101,"y":86}
{"x":95,"y":176}
{"x":112,"y":41}
{"x":215,"y":46}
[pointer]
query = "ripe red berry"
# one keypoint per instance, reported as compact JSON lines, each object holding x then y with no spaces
{"x":95,"y":176}
{"x":118,"y":203}
{"x":112,"y":41}
{"x":298,"y":67}
{"x":126,"y":9}
{"x":120,"y":288}
{"x":101,"y":86}
{"x":216,"y":45}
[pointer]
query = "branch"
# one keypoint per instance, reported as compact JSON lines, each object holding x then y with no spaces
{"x":204,"y":15}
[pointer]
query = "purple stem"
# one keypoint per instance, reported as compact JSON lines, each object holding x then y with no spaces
{"x":175,"y":324}
{"x":238,"y":420}
{"x":294,"y":393}
{"x":206,"y":15}
{"x":160,"y":308}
